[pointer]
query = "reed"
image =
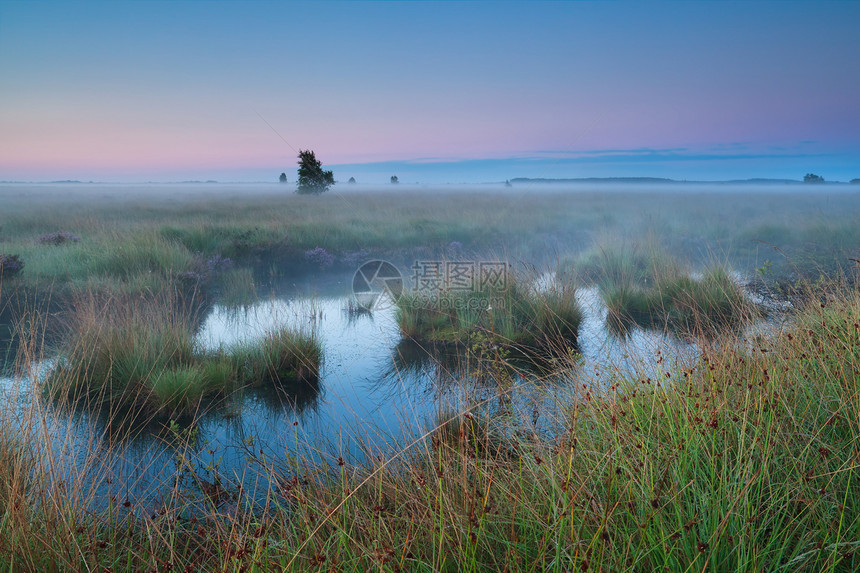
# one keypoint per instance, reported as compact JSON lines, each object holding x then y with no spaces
{"x":509,"y":312}
{"x":742,"y":461}
{"x":139,"y":357}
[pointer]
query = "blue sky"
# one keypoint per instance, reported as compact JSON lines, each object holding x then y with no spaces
{"x":431,"y":92}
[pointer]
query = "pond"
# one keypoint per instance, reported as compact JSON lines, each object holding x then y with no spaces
{"x":376,"y":395}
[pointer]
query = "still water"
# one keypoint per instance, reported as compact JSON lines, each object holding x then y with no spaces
{"x":377,"y":395}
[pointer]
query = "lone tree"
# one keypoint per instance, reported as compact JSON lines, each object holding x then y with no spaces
{"x":813,"y":178}
{"x":351,"y":180}
{"x":312,"y":178}
{"x":394,"y":180}
{"x":283,"y":178}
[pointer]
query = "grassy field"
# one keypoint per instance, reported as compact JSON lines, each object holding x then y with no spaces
{"x":745,"y":460}
{"x":133,"y":239}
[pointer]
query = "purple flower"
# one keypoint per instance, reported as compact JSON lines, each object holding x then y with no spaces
{"x":10,"y":265}
{"x":218,"y":264}
{"x":319,"y":256}
{"x":58,"y":238}
{"x":203,"y":270}
{"x":455,"y":246}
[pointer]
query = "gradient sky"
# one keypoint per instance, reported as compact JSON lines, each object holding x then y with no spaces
{"x":431,"y":92}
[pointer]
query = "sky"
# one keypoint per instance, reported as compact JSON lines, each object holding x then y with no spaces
{"x":433,"y":92}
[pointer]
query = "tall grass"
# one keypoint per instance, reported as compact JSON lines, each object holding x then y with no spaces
{"x":615,"y":262}
{"x":643,"y":284}
{"x":692,"y":305}
{"x":509,"y":312}
{"x":283,"y":356}
{"x":745,"y":461}
{"x":139,"y":357}
{"x":133,"y":354}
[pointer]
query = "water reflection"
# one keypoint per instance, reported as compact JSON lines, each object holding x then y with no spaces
{"x":375,"y":393}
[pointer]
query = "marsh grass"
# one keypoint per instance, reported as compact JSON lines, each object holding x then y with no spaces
{"x":16,"y":478}
{"x":744,"y":461}
{"x":119,"y":350}
{"x":643,"y":284}
{"x":244,"y":223}
{"x":139,"y":357}
{"x":509,"y":312}
{"x":236,"y":287}
{"x":138,"y":240}
{"x":703,"y":305}
{"x":283,"y":356}
{"x":617,"y":262}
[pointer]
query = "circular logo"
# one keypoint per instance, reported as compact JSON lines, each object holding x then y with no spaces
{"x":377,"y":285}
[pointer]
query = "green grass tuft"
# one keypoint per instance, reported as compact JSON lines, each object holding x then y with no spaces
{"x":511,"y":313}
{"x":141,"y":357}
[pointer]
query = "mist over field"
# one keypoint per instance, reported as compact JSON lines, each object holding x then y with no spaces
{"x":792,"y":226}
{"x":430,"y":286}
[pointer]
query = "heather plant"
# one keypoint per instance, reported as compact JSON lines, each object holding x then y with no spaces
{"x":205,"y":269}
{"x":319,"y":257}
{"x":58,"y":238}
{"x":218,"y":264}
{"x":10,"y":265}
